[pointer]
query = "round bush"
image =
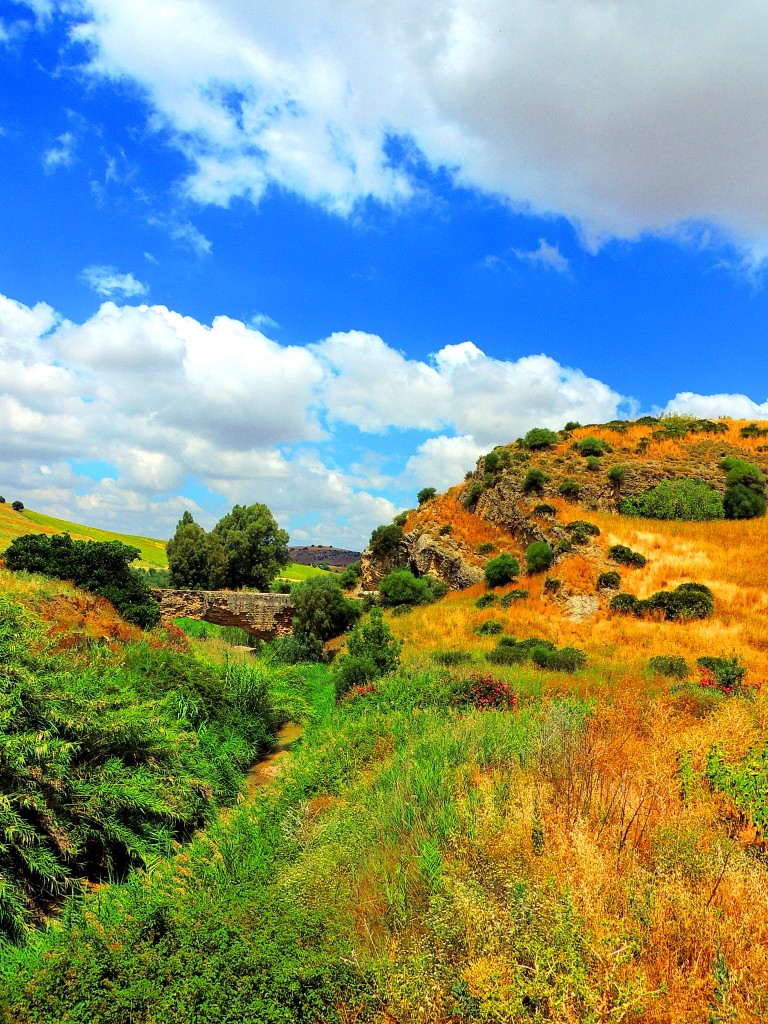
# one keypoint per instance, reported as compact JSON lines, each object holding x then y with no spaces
{"x":490,"y":628}
{"x":539,"y":556}
{"x":534,"y":480}
{"x":741,"y":502}
{"x":609,"y":580}
{"x":626,"y":556}
{"x":540,"y":437}
{"x":402,"y":587}
{"x":591,"y":446}
{"x":569,"y":488}
{"x":617,"y":475}
{"x":500,"y":570}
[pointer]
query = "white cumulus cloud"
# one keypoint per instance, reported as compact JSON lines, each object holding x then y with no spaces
{"x":624,"y":117}
{"x":109,"y":283}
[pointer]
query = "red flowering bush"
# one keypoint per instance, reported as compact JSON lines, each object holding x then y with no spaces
{"x":485,"y":692}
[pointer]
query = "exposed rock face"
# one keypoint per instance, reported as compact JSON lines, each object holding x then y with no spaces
{"x":424,"y":555}
{"x":262,"y":615}
{"x":500,"y":505}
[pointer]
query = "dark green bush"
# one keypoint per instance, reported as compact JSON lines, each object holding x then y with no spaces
{"x":753,"y":430}
{"x":540,"y":437}
{"x":503,"y":569}
{"x":572,"y":425}
{"x":552,"y":584}
{"x":670,"y":665}
{"x":445,"y":529}
{"x":581,"y":531}
{"x":534,"y":480}
{"x":627,"y":604}
{"x":593,"y":463}
{"x":496,"y":460}
{"x":532,"y":642}
{"x":544,"y":509}
{"x":741,"y":502}
{"x":385,"y":540}
{"x":426,"y":494}
{"x":321,"y":612}
{"x":103,"y":567}
{"x":688,"y":601}
{"x":728,"y":672}
{"x":691,"y":500}
{"x":402,"y":587}
{"x":492,"y":627}
{"x":626,"y":556}
{"x":568,"y":659}
{"x":486,"y":601}
{"x":371,"y":652}
{"x":591,"y":446}
{"x":486,"y":548}
{"x":539,"y":556}
{"x":609,"y":580}
{"x":451,"y":657}
{"x":17,"y":506}
{"x":507,"y":655}
{"x":472,"y":493}
{"x":514,"y":595}
{"x":351,"y":575}
{"x":569,"y":488}
{"x":617,"y":475}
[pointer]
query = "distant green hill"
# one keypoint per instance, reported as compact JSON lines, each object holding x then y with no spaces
{"x":15,"y":524}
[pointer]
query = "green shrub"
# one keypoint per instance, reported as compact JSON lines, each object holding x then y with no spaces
{"x":485,"y":601}
{"x":741,"y":502}
{"x":593,"y":463}
{"x":486,"y":548}
{"x":591,"y":446}
{"x":503,"y":569}
{"x":385,"y":540}
{"x":532,"y":642}
{"x":539,"y":556}
{"x":568,"y":659}
{"x":626,"y":556}
{"x":534,"y":480}
{"x":445,"y":529}
{"x":496,"y":460}
{"x":572,"y":425}
{"x":103,"y":567}
{"x":552,"y":584}
{"x":17,"y":506}
{"x":569,"y":488}
{"x":625,"y":603}
{"x":450,"y":658}
{"x":426,"y":494}
{"x":581,"y":531}
{"x":670,"y":665}
{"x":371,"y":652}
{"x":472,"y":493}
{"x":402,"y":587}
{"x":688,"y":601}
{"x":691,"y":500}
{"x":753,"y":430}
{"x":321,"y":612}
{"x":507,"y":655}
{"x":351,"y":575}
{"x":492,"y":627}
{"x":609,"y":580}
{"x":544,"y":509}
{"x":617,"y":475}
{"x":514,"y":595}
{"x":539,"y":438}
{"x":728,"y":672}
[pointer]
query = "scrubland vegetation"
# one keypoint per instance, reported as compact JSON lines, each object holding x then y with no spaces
{"x":502,"y":808}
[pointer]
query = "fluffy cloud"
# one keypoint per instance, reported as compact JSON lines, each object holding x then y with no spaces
{"x":626,"y":118}
{"x":711,"y":406}
{"x":109,"y":282}
{"x":191,"y":415}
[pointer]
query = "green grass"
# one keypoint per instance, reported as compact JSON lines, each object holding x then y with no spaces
{"x":300,"y":573}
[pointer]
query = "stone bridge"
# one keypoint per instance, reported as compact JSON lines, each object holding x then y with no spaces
{"x":262,"y":615}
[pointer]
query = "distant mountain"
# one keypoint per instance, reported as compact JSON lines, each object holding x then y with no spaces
{"x":313,"y":554}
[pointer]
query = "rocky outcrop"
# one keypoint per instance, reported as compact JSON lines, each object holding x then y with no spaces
{"x":424,"y":555}
{"x":261,"y":615}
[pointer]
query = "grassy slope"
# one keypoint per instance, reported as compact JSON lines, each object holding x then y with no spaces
{"x":15,"y":524}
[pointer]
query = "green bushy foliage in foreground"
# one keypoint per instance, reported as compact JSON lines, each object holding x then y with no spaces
{"x":676,"y":499}
{"x":371,"y":652}
{"x":103,"y":567}
{"x":626,"y":556}
{"x":107,"y":758}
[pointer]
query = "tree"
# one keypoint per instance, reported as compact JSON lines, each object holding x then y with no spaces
{"x":402,"y":587}
{"x":500,"y":570}
{"x":189,"y":564}
{"x":426,"y":494}
{"x":372,"y":651}
{"x":539,"y":556}
{"x":17,"y":506}
{"x":254,"y":545}
{"x":540,"y":437}
{"x":321,"y":612}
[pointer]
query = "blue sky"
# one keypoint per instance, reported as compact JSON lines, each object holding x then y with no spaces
{"x":322,"y":258}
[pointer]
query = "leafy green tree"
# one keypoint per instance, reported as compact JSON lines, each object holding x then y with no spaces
{"x":402,"y":587}
{"x":744,"y":489}
{"x":321,"y":612}
{"x":189,"y":564}
{"x":385,"y":540}
{"x":426,"y":494}
{"x":534,"y":480}
{"x":500,"y":570}
{"x":254,"y":545}
{"x":351,"y":575}
{"x":17,"y":506}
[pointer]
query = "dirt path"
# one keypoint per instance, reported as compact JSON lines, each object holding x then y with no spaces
{"x":269,"y":767}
